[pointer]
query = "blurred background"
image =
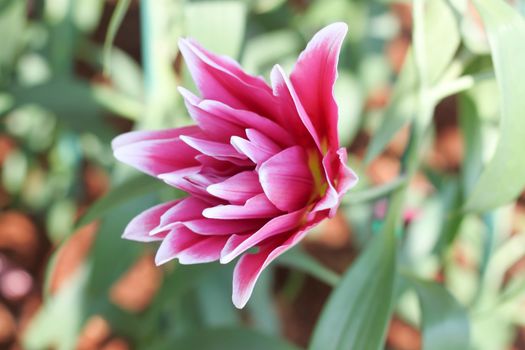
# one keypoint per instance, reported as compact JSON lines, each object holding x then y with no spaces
{"x":75,"y":73}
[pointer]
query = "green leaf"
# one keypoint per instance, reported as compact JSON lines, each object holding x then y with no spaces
{"x":226,"y":339}
{"x":72,"y":101}
{"x":120,"y":194}
{"x":298,"y":259}
{"x":114,"y":25}
{"x":358,"y":311}
{"x":257,"y":57}
{"x":217,"y":25}
{"x":445,"y":322}
{"x":504,"y":177}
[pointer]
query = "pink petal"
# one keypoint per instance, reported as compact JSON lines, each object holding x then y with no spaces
{"x":262,"y":141}
{"x":220,"y":167}
{"x":250,"y":266}
{"x":256,"y":207}
{"x":189,"y":247}
{"x":313,"y":78}
{"x":238,"y":244}
{"x":219,"y":150}
{"x":287,"y":180}
{"x":248,"y":120}
{"x":207,"y":226}
{"x":219,"y":78}
{"x":219,"y":119}
{"x":238,"y":188}
{"x":189,"y":208}
{"x":256,"y":153}
{"x":292,"y":107}
{"x":156,"y":152}
{"x":191,"y":180}
{"x":345,"y":177}
{"x":139,"y":227}
{"x":215,"y":127}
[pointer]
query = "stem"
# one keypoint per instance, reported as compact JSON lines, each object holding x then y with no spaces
{"x":449,"y":88}
{"x":373,"y":193}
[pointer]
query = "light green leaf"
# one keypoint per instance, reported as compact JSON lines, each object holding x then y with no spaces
{"x":257,"y":57}
{"x":120,"y":194}
{"x":504,"y":177}
{"x":217,"y":25}
{"x":445,"y":322}
{"x":358,"y":311}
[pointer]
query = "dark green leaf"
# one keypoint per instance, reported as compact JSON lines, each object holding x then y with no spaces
{"x":120,"y":194}
{"x":226,"y":339}
{"x":358,"y":311}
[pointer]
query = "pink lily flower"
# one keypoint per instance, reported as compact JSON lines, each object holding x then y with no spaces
{"x":261,"y":167}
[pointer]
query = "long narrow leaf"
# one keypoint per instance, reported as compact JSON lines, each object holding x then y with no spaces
{"x":358,"y":311}
{"x":504,"y":177}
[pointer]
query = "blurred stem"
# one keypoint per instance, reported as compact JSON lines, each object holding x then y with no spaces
{"x":373,"y":193}
{"x":114,"y":24}
{"x":160,"y":28}
{"x":449,"y":88}
{"x":425,"y":107}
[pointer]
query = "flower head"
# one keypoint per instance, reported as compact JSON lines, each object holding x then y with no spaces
{"x":261,"y":167}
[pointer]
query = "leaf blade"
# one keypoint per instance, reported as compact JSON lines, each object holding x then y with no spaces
{"x":506,"y":32}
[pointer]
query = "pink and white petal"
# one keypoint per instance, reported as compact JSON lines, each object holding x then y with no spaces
{"x":214,"y":127}
{"x":190,"y":180}
{"x":238,"y":188}
{"x":250,"y":266}
{"x":149,"y":152}
{"x":254,"y":152}
{"x":347,"y":177}
{"x":292,"y":107}
{"x":238,"y":244}
{"x":189,"y":247}
{"x":248,"y":120}
{"x":209,"y":227}
{"x":313,"y":78}
{"x":263,"y":141}
{"x":287,"y":180}
{"x":254,"y":208}
{"x":219,"y":78}
{"x":219,"y":150}
{"x":138,"y":229}
{"x":189,"y":208}
{"x":145,"y":135}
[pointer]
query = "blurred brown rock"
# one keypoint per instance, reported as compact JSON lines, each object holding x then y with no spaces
{"x":19,"y":237}
{"x":72,"y":254}
{"x":333,"y":233}
{"x":137,"y":287}
{"x":94,"y":334}
{"x":96,"y":181}
{"x":383,"y":169}
{"x":116,"y":344}
{"x":7,"y":325}
{"x":402,"y":336}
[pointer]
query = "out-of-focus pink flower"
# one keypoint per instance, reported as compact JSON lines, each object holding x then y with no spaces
{"x":261,"y":167}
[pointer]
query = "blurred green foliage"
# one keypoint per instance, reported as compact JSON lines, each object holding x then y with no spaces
{"x":66,"y":90}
